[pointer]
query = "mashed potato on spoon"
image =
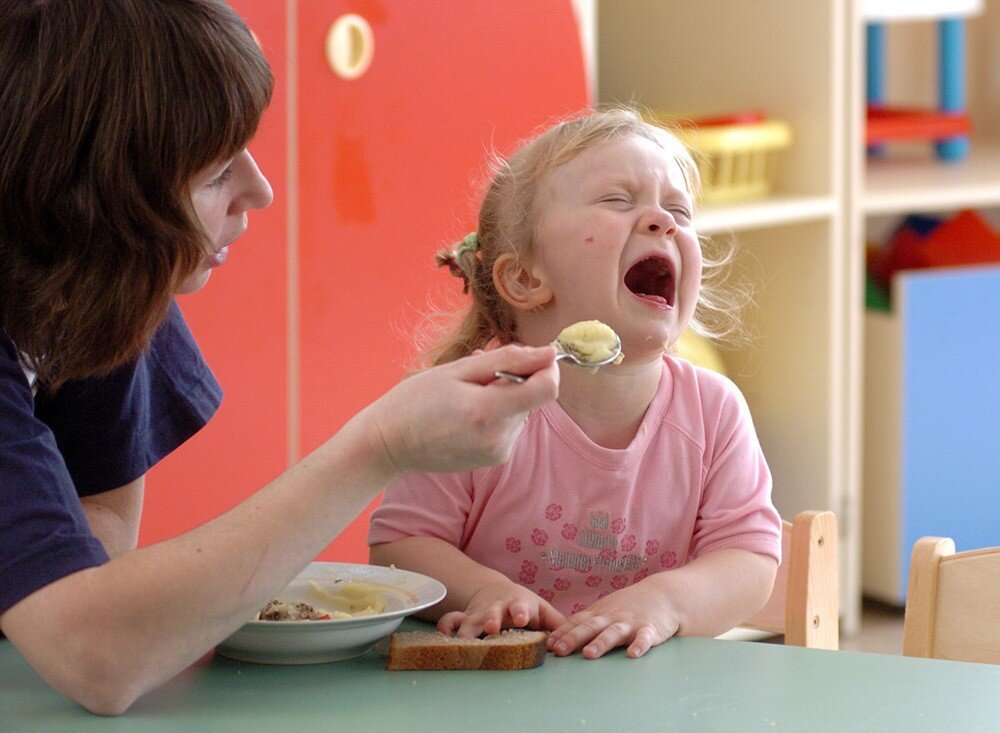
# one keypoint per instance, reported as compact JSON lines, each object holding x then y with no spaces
{"x":589,"y":341}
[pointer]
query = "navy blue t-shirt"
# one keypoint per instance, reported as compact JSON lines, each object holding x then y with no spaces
{"x":89,"y":436}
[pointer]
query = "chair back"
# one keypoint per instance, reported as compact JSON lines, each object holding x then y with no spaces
{"x":953,"y":603}
{"x":805,"y":602}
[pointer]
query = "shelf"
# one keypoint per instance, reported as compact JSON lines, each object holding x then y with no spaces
{"x":888,"y":10}
{"x":772,"y":211}
{"x":906,"y":183}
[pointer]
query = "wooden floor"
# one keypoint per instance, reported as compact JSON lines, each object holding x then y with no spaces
{"x":881,"y":630}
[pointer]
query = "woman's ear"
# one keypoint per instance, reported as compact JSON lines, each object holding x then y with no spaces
{"x":518,"y":284}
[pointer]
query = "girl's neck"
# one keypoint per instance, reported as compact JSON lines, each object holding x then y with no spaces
{"x":608,"y":406}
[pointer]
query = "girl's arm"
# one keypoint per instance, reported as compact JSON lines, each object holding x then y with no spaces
{"x":105,"y":635}
{"x":706,"y":597}
{"x":480,"y":599}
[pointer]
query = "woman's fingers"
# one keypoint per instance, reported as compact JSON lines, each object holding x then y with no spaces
{"x":514,"y":359}
{"x":453,"y":417}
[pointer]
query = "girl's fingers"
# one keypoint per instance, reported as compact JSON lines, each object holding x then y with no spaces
{"x":645,"y":637}
{"x":519,"y":613}
{"x":493,"y":618}
{"x":581,"y":633}
{"x":471,"y":627}
{"x":612,"y":636}
{"x":449,"y":622}
{"x":550,"y":618}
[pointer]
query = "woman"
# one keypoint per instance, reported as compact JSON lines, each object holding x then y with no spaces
{"x":124,"y":176}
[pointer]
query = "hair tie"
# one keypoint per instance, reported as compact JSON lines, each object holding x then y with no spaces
{"x":453,"y":258}
{"x":470,"y":243}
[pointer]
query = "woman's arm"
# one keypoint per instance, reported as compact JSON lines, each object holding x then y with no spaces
{"x":113,"y":632}
{"x":114,"y":515}
{"x":479,"y":600}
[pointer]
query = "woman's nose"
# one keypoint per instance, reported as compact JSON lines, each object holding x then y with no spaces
{"x":259,"y":192}
{"x":657,"y":221}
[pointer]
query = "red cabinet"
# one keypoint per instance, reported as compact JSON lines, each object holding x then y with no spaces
{"x":387,"y":171}
{"x":241,"y":323}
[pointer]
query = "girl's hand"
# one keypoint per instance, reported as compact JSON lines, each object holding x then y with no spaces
{"x":640,"y":616}
{"x":459,"y":416}
{"x":503,"y":605}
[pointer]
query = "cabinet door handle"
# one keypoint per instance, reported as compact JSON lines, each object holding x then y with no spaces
{"x":350,"y":46}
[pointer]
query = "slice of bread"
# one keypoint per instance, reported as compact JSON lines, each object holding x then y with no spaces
{"x":508,"y":650}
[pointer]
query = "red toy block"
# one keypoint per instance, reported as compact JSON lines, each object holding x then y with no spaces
{"x":889,"y":124}
{"x":965,"y":239}
{"x":901,"y":252}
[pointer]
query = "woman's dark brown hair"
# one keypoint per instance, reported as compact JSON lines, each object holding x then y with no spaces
{"x":108,"y":108}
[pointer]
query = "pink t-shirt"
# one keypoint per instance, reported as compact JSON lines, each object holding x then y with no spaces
{"x":574,"y":521}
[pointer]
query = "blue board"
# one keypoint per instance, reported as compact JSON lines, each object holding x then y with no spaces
{"x":951,"y":409}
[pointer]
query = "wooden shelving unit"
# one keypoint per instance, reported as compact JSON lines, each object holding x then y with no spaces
{"x":914,"y":181}
{"x":908,"y":180}
{"x":774,"y":211}
{"x":803,"y":61}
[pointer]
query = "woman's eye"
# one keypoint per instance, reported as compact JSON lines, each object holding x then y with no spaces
{"x":222,"y":178}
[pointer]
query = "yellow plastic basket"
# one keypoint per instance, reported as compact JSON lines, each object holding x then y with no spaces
{"x":735,"y":161}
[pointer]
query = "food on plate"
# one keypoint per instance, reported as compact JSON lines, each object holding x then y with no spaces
{"x":349,"y":599}
{"x":279,"y":610}
{"x":425,"y":650}
{"x":589,"y":341}
{"x":353,"y":597}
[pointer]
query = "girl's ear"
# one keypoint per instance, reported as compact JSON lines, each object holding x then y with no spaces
{"x":518,"y":284}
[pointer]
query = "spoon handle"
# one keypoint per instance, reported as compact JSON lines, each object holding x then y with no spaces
{"x":508,"y":376}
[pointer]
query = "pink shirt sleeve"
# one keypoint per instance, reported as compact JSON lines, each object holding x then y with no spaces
{"x":736,"y":510}
{"x":425,"y":505}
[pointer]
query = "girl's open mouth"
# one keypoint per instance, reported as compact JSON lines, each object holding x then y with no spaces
{"x":653,"y":279}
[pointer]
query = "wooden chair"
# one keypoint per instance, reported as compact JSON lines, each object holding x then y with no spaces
{"x":805,"y":602}
{"x":953,"y":603}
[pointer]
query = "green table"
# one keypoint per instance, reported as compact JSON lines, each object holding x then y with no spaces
{"x":685,"y":684}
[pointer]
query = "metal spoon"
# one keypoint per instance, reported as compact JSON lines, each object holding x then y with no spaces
{"x":572,"y":359}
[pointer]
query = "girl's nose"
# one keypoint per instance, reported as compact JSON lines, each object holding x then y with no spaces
{"x":657,"y":221}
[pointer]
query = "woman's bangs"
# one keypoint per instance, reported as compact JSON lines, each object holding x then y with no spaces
{"x":226,"y":91}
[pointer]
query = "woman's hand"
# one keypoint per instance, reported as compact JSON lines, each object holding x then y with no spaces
{"x":640,"y":616}
{"x":459,"y":416}
{"x":502,"y":605}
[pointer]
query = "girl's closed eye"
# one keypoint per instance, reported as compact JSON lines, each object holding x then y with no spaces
{"x":680,"y":214}
{"x":617,"y":198}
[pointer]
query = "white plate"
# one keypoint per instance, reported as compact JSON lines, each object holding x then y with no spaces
{"x":312,"y":642}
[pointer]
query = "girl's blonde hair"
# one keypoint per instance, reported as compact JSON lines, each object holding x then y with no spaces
{"x":507,"y":217}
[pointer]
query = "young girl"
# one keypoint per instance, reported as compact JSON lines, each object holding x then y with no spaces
{"x":638,"y":505}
